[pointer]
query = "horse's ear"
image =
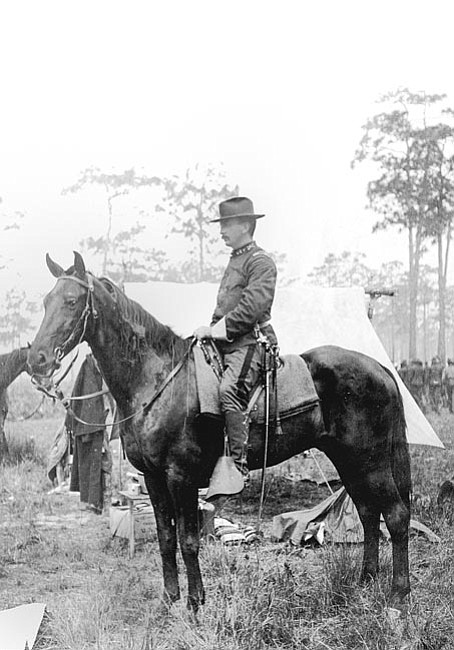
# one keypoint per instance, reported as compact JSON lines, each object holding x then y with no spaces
{"x":56,"y":270}
{"x":79,"y":266}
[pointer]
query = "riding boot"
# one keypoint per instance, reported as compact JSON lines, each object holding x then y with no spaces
{"x":237,"y":429}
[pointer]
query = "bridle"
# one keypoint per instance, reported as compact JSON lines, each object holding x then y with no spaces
{"x":61,"y":351}
{"x":89,"y":310}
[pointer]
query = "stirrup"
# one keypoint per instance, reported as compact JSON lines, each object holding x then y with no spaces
{"x":226,"y":479}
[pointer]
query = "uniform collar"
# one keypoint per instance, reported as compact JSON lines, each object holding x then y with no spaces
{"x":244,"y":249}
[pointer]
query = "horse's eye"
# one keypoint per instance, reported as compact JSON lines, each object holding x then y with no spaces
{"x":71,"y":302}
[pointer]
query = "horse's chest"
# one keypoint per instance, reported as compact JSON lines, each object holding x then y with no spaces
{"x":155,"y":433}
{"x":162,"y":420}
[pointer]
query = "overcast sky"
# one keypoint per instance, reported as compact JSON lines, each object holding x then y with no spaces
{"x":276,"y":91}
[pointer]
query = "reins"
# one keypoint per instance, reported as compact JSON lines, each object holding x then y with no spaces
{"x":30,"y":415}
{"x":147,"y":406}
{"x":144,"y":409}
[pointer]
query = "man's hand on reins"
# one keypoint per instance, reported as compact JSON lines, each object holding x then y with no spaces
{"x":203,"y":332}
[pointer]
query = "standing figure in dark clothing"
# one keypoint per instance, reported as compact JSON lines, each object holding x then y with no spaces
{"x":435,"y":384}
{"x":448,"y":380}
{"x":403,"y":371}
{"x":87,"y":475}
{"x":416,"y":381}
{"x":426,"y":392}
{"x":241,"y":317}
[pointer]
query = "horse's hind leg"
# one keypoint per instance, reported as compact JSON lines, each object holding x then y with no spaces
{"x":369,"y":515}
{"x":166,"y":529}
{"x":397,"y":518}
{"x":380,"y":494}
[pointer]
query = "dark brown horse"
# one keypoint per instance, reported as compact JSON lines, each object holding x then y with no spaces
{"x":150,"y":373}
{"x":11,"y":366}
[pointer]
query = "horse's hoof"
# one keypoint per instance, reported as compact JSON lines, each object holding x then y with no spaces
{"x":193,"y":612}
{"x":368,"y":577}
{"x":163,"y":609}
{"x":395,"y":619}
{"x":168,"y":599}
{"x":400,"y":600}
{"x":194,"y":602}
{"x":165,"y":604}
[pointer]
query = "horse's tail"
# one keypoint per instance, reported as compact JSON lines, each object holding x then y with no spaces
{"x":400,"y":455}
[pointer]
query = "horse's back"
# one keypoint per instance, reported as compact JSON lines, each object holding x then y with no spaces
{"x":362,"y":411}
{"x":349,"y":367}
{"x":354,"y":386}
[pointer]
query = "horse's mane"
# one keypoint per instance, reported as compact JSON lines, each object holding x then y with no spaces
{"x":140,"y":329}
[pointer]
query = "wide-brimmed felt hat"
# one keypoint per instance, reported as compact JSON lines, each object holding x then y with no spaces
{"x":237,"y":206}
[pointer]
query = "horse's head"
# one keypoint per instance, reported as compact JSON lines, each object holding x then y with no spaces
{"x":67,"y":310}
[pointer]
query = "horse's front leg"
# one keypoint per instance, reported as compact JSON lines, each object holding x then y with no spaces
{"x":166,"y":529}
{"x":185,"y":498}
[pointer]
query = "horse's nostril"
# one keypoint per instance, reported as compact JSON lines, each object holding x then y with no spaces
{"x":38,"y":361}
{"x":41,"y":358}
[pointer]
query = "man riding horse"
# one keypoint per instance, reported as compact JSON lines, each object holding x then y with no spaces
{"x":363,"y":418}
{"x":241,"y":319}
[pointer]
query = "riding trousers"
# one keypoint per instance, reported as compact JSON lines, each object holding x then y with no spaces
{"x":241,"y":374}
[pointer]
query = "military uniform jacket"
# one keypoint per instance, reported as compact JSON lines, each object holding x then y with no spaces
{"x":245,"y":297}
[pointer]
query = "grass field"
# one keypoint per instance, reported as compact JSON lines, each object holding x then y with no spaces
{"x":268,"y":595}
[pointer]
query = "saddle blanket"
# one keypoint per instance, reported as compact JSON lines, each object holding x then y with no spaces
{"x":295,"y":389}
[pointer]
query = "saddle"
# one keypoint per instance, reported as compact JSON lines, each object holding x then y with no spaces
{"x":295,"y":388}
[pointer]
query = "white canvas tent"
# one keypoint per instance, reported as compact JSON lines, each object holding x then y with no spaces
{"x":303,"y":317}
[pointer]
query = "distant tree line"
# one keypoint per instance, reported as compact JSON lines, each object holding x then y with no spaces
{"x":410,"y":150}
{"x":391,"y":313}
{"x":188,"y":202}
